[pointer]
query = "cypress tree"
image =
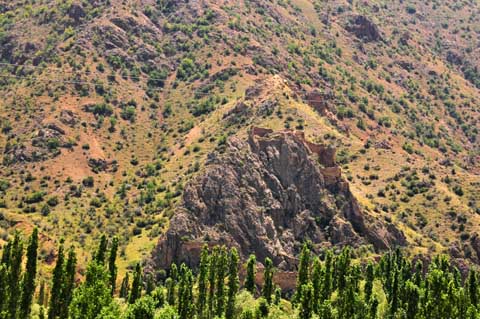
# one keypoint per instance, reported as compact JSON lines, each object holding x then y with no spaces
{"x":220,"y":283}
{"x":202,"y":283}
{"x":372,"y":311}
{"x":68,"y":284}
{"x":14,"y":275}
{"x":212,"y":274}
{"x":125,"y":287}
{"x":102,"y":250}
{"x":149,"y":284}
{"x":186,"y":307}
{"x":369,"y":281}
{"x":306,"y":302}
{"x":233,"y":283}
{"x":417,"y":279}
{"x":268,"y":280}
{"x":317,"y":285}
{"x":251,"y":273}
{"x":326,"y":310}
{"x":41,"y":314}
{"x":41,"y":294}
{"x":112,"y":267}
{"x":473,"y":287}
{"x":328,"y":276}
{"x":393,"y":295}
{"x":174,"y":272}
{"x":412,"y":295}
{"x":3,"y":287}
{"x":28,"y":283}
{"x":342,"y":267}
{"x":303,"y":270}
{"x":170,"y":285}
{"x":136,"y":291}
{"x":57,"y":282}
{"x":6,"y":253}
{"x":278,"y":296}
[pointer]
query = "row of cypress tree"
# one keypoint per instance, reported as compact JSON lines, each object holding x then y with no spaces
{"x":328,"y":286}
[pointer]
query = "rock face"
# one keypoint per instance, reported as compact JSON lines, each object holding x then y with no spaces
{"x":364,"y":28}
{"x":267,"y":196}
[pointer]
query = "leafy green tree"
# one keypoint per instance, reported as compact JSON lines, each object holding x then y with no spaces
{"x":143,"y":308}
{"x":90,"y":299}
{"x":251,"y":273}
{"x":158,"y":296}
{"x":268,"y":280}
{"x":28,"y":283}
{"x":233,"y":283}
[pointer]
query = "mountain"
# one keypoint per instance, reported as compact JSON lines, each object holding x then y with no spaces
{"x":111,"y":108}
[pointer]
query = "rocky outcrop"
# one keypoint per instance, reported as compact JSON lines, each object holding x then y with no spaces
{"x":69,"y":118}
{"x":363,"y":28}
{"x":267,"y":196}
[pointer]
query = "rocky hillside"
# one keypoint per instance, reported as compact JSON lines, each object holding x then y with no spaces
{"x":111,"y":107}
{"x":267,"y":196}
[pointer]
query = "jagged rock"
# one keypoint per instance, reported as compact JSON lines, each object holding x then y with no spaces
{"x":76,"y":12}
{"x":364,"y":28}
{"x":384,"y":144}
{"x":98,"y":165}
{"x":454,"y":57}
{"x":56,"y":128}
{"x":267,"y":196}
{"x":146,"y":53}
{"x":406,"y":65}
{"x":69,"y":118}
{"x":112,"y":37}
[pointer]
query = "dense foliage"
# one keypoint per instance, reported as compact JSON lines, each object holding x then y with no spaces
{"x":328,"y":286}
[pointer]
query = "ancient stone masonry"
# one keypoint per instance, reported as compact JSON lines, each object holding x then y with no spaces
{"x":268,"y":195}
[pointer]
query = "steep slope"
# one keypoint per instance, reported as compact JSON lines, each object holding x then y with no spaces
{"x":110,"y":108}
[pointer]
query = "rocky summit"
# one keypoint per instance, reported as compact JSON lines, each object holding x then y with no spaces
{"x":267,"y":195}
